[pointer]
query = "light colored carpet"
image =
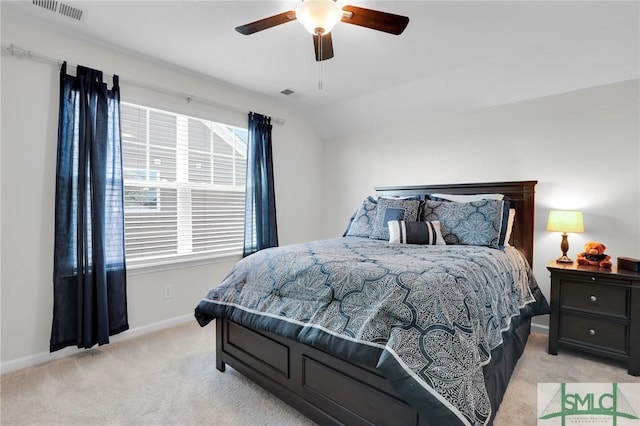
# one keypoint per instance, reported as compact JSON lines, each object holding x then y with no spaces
{"x":169,"y":378}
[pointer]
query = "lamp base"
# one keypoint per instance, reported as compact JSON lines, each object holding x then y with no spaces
{"x":564,"y":259}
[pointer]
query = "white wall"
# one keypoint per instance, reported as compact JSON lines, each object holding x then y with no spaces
{"x":583,"y":147}
{"x":30,"y":92}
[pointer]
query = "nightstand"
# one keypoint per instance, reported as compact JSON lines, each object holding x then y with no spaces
{"x":597,"y":311}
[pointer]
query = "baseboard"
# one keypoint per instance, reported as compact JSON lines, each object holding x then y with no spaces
{"x":41,"y":358}
{"x":540,"y":328}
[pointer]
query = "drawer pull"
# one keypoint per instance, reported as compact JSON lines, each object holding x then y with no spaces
{"x":593,"y":298}
{"x":592,"y":332}
{"x":593,"y":278}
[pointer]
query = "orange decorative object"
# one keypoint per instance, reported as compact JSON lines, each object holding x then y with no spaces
{"x":594,"y":255}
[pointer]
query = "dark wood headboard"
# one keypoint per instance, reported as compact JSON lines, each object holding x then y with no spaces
{"x":521,"y":196}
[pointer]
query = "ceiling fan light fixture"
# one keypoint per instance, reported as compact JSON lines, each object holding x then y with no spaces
{"x":318,"y":16}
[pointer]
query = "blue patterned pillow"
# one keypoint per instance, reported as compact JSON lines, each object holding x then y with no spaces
{"x":478,"y":223}
{"x":362,"y":222}
{"x":393,"y":209}
{"x":426,"y":233}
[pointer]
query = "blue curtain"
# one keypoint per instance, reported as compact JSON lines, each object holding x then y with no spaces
{"x":89,"y":277}
{"x":260,"y":230}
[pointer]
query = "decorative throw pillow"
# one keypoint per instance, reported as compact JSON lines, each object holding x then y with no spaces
{"x":393,"y":209}
{"x":362,"y":222}
{"x":480,"y":223}
{"x":427,"y":233}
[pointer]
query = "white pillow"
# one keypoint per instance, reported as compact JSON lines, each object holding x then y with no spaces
{"x":512,"y":217}
{"x":467,"y":198}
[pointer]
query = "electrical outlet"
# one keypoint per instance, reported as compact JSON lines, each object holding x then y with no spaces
{"x":168,"y":291}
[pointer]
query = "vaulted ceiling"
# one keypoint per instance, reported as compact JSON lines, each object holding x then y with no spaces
{"x":454,"y":55}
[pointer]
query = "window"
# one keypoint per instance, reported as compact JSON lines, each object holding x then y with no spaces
{"x":184,"y":186}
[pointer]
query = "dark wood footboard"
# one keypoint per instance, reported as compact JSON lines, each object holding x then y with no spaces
{"x":331,"y":391}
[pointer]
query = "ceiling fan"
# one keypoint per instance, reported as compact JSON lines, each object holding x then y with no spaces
{"x":320,"y":16}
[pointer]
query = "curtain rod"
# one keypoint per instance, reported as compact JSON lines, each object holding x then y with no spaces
{"x":20,"y":52}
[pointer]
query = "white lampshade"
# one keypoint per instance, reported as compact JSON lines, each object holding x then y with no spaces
{"x":318,"y":16}
{"x":565,"y":221}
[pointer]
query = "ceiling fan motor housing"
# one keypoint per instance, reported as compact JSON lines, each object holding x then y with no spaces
{"x":318,"y":16}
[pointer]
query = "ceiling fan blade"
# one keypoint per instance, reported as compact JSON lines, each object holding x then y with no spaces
{"x":381,"y":21}
{"x":263,"y":24}
{"x":324,"y":47}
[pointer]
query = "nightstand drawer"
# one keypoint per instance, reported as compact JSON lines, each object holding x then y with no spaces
{"x":594,"y":332}
{"x":594,"y":298}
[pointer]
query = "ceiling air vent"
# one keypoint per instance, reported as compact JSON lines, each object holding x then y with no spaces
{"x":61,"y":8}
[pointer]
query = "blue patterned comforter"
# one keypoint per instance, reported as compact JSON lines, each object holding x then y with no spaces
{"x":427,"y":317}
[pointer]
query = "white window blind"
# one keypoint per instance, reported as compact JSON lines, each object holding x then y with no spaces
{"x":184,"y":181}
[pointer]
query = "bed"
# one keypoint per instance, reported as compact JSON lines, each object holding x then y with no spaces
{"x":358,"y":330}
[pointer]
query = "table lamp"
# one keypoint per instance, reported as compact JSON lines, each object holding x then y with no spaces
{"x":565,"y":221}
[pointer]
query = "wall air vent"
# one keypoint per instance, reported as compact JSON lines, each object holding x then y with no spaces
{"x":61,"y":8}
